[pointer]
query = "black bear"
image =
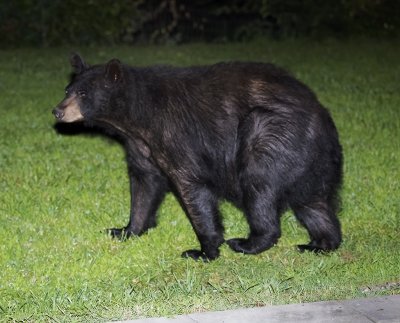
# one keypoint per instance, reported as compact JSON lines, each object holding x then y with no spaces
{"x":249,"y":133}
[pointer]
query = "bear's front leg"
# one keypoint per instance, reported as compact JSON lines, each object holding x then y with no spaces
{"x":201,"y":207}
{"x":147,"y":193}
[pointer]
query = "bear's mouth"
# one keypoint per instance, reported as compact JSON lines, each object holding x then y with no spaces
{"x":68,"y":110}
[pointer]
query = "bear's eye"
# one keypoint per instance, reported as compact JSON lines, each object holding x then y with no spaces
{"x":66,"y":92}
{"x":82,"y":94}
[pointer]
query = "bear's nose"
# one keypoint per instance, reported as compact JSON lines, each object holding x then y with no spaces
{"x":59,"y":114}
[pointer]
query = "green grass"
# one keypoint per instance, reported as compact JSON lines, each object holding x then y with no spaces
{"x":58,"y":192}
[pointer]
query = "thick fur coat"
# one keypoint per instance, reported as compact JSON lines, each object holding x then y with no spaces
{"x":249,"y":133}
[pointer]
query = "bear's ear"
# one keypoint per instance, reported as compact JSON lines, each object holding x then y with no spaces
{"x":77,"y":63}
{"x":114,"y":71}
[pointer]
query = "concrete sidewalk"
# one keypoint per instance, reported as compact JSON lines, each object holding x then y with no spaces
{"x":381,"y":309}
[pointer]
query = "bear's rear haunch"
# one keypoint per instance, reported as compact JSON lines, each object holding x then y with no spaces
{"x":248,"y":133}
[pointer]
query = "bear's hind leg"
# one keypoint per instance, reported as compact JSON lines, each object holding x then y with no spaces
{"x":263,"y":154}
{"x":201,"y":207}
{"x":264,"y":223}
{"x":322,"y":224}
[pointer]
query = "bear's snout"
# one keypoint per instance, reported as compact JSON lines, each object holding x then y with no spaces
{"x":68,"y":110}
{"x":58,"y":113}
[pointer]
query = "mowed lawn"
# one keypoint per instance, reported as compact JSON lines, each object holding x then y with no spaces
{"x":58,"y":192}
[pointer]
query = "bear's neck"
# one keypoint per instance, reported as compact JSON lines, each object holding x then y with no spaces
{"x":126,"y":130}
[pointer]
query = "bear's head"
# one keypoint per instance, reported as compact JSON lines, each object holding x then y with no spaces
{"x":88,"y":95}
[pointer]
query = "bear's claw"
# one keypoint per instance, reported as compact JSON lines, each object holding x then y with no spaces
{"x":119,"y":233}
{"x":196,"y":255}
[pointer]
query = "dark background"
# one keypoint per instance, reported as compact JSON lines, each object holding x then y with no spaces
{"x":45,"y":23}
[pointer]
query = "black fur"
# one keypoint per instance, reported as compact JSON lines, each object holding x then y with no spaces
{"x":246,"y":132}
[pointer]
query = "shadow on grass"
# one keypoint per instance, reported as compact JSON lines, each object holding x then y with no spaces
{"x":79,"y":128}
